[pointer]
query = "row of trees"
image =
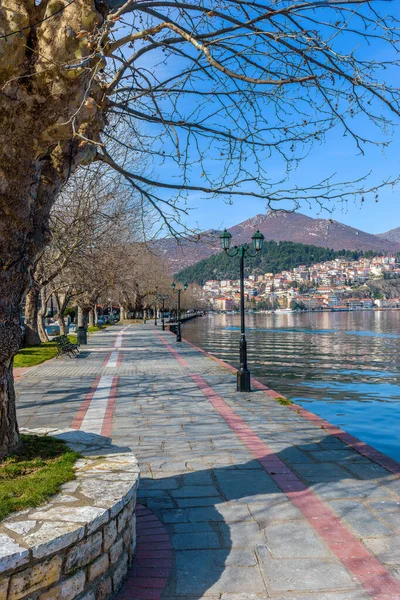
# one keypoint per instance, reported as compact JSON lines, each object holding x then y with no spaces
{"x":210,"y":92}
{"x":97,"y":255}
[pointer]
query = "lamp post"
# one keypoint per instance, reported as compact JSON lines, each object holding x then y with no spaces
{"x":243,"y":375}
{"x":179,"y":290}
{"x":163,"y":299}
{"x":155,"y":313}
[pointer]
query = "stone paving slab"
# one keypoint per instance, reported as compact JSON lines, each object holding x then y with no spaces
{"x":214,"y":465}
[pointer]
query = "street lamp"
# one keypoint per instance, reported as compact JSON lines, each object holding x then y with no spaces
{"x":163,"y":299}
{"x":155,"y":313}
{"x":179,"y":290}
{"x":243,"y":375}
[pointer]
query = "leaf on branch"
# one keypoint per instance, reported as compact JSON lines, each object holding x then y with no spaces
{"x":81,"y":34}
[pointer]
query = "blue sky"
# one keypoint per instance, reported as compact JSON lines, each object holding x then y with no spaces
{"x":336,"y":155}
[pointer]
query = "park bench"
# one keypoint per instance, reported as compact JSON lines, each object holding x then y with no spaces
{"x":64,"y":346}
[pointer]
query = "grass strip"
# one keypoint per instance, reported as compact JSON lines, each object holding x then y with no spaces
{"x":35,"y":355}
{"x":34,"y":473}
{"x":94,"y":328}
{"x":284,"y":401}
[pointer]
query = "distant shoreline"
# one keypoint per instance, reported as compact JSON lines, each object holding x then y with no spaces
{"x":304,"y":310}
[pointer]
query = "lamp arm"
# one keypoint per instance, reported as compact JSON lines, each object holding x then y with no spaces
{"x":248,"y":253}
{"x":234,"y":252}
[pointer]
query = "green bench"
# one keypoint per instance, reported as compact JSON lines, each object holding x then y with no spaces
{"x":64,"y":346}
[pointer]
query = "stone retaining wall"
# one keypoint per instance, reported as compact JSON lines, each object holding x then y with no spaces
{"x":80,"y":544}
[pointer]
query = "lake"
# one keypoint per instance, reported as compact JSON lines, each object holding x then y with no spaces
{"x":344,"y":367}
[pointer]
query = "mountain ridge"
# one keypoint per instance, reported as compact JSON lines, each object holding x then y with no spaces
{"x":393,"y":235}
{"x":276,"y":226}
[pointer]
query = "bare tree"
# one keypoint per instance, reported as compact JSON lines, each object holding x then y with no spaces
{"x":92,"y":206}
{"x":138,"y":279}
{"x":235,"y":80}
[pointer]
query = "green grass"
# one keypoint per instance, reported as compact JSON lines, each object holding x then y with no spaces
{"x":34,"y":473}
{"x":35,"y":355}
{"x":94,"y":328}
{"x":284,"y":401}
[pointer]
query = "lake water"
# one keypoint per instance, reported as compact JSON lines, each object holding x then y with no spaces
{"x":345,"y":367}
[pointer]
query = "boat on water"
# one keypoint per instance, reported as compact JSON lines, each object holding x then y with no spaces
{"x":284,"y":310}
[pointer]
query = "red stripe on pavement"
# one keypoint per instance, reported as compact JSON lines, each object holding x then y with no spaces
{"x":108,"y":416}
{"x":149,"y":538}
{"x":151,"y":568}
{"x":157,"y":572}
{"x":150,"y":582}
{"x":385,"y":461}
{"x":106,"y":360}
{"x":80,"y":415}
{"x":365,"y":449}
{"x":372,"y":575}
{"x":182,"y":361}
{"x":19,"y":372}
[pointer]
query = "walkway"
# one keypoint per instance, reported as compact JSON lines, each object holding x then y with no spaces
{"x":242,"y":498}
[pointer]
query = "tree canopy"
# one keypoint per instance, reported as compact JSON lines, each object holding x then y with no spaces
{"x":208,"y":90}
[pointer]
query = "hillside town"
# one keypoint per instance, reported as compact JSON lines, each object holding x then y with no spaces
{"x":336,"y":285}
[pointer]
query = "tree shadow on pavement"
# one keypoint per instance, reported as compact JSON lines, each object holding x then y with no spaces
{"x":217,"y":517}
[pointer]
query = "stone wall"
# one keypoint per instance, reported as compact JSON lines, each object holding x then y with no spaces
{"x":80,"y":544}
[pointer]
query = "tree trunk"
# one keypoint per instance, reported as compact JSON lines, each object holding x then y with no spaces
{"x":31,"y":334}
{"x":11,"y":290}
{"x":61,"y":322}
{"x":41,"y":316}
{"x":83,"y":313}
{"x":95,"y":316}
{"x":39,"y":149}
{"x":60,"y":314}
{"x":27,"y":191}
{"x":9,"y":434}
{"x":91,"y":317}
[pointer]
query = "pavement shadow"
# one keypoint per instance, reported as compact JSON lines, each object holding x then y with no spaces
{"x":87,"y":443}
{"x":216,"y":517}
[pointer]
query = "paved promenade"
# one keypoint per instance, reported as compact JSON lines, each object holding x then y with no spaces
{"x":241,"y":498}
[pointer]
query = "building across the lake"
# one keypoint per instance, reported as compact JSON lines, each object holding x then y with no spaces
{"x":224,"y":304}
{"x":328,"y":285}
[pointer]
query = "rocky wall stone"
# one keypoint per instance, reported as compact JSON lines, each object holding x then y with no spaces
{"x":80,"y":544}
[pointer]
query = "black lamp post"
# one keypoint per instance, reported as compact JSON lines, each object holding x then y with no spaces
{"x":243,"y":375}
{"x":163,"y":299}
{"x":179,"y":290}
{"x":155,"y":314}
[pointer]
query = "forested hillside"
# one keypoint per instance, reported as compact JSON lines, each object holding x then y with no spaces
{"x":274,"y":257}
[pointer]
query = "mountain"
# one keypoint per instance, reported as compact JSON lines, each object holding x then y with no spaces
{"x":393,"y":235}
{"x":276,"y":226}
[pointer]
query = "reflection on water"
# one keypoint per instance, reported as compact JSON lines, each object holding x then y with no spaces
{"x":344,"y":367}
